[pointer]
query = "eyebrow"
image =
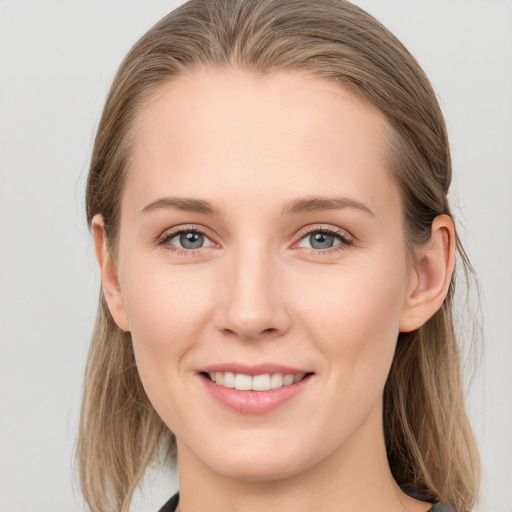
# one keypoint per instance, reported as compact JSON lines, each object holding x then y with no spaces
{"x":299,"y":205}
{"x":317,"y":203}
{"x":184,"y":204}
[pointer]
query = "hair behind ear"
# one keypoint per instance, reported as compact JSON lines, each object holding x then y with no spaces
{"x":424,"y":415}
{"x":425,"y":420}
{"x":118,"y":426}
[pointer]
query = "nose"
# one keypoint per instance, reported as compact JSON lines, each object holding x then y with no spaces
{"x":252,"y":302}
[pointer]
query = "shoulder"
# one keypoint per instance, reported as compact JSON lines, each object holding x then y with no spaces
{"x":171,"y":505}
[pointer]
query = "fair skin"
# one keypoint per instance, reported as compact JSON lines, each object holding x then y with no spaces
{"x":296,"y":264}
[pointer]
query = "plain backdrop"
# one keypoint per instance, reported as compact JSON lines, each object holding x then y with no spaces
{"x":57,"y":59}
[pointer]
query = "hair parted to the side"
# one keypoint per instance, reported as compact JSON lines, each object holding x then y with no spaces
{"x":431,"y":448}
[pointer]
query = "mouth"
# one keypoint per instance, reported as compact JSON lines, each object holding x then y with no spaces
{"x":259,"y":382}
{"x":257,"y":388}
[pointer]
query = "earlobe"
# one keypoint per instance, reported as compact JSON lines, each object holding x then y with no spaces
{"x":109,"y":278}
{"x":432,"y":275}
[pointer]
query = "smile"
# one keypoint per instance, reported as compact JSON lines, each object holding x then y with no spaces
{"x":262,"y":382}
{"x":255,"y":388}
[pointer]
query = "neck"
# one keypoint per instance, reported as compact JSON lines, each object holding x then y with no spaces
{"x":354,"y":477}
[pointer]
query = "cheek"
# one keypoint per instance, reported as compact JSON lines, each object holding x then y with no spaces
{"x":354,"y":318}
{"x":166,"y":311}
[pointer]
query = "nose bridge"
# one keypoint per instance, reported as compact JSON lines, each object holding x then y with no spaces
{"x":253,"y":302}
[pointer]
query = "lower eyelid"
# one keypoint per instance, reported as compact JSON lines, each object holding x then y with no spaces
{"x":180,"y":251}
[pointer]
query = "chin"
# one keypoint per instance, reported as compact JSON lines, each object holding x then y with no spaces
{"x":263,"y":461}
{"x":257,"y":470}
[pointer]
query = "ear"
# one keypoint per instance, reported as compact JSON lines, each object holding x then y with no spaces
{"x":431,"y":275}
{"x":109,"y":280}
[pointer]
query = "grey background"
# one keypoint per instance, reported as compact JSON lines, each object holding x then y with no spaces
{"x":57,"y":59}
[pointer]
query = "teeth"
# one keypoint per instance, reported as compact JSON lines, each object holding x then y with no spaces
{"x":276,"y":380}
{"x":288,"y":379}
{"x":229,"y":379}
{"x":262,"y":382}
{"x":243,"y":382}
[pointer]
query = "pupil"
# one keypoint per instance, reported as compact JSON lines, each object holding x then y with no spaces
{"x":321,"y":240}
{"x":191,"y":240}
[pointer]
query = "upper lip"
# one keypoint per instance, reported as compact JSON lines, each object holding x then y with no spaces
{"x":253,"y":369}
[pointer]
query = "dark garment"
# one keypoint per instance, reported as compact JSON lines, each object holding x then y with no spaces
{"x":171,"y":505}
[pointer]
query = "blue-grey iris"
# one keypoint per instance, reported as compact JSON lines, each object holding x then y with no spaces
{"x":321,"y":240}
{"x":191,"y":240}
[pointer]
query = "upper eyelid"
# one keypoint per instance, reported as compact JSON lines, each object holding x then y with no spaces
{"x":176,"y":230}
{"x":342,"y":233}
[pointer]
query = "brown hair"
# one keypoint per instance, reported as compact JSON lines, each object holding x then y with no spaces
{"x":430,"y":444}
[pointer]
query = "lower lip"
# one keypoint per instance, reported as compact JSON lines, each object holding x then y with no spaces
{"x":254,"y":402}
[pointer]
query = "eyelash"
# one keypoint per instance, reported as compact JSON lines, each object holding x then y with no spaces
{"x":345,"y":240}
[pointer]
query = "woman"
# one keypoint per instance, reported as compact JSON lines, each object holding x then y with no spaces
{"x":268,"y":198}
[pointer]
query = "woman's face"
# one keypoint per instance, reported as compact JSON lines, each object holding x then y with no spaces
{"x":261,"y":237}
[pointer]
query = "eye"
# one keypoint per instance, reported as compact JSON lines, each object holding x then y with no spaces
{"x":324,"y":239}
{"x":186,"y":240}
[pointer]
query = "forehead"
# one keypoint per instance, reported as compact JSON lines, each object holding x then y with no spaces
{"x":227,"y":133}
